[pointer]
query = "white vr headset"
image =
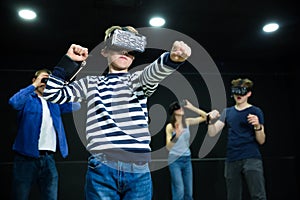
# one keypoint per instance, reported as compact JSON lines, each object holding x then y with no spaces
{"x":126,"y":40}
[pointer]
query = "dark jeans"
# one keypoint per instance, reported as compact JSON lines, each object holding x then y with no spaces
{"x":114,"y":180}
{"x":28,"y":171}
{"x":251,"y":170}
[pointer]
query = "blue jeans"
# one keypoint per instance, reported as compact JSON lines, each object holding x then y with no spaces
{"x":251,"y":170}
{"x":113,"y":180}
{"x":28,"y":171}
{"x":181,"y":177}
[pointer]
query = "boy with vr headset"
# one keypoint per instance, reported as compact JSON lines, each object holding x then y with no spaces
{"x":117,"y":131}
{"x":245,"y":134}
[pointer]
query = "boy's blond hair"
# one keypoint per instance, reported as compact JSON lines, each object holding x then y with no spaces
{"x":110,"y":30}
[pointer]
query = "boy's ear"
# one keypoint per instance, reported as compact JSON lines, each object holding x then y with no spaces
{"x":249,"y":93}
{"x":104,"y":52}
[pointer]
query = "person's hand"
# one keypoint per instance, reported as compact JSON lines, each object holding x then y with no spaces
{"x":180,"y":51}
{"x":77,"y":52}
{"x":253,"y":119}
{"x":214,"y":114}
{"x":187,"y":104}
{"x":37,"y":82}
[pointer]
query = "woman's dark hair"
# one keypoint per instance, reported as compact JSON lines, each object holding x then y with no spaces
{"x":175,"y":106}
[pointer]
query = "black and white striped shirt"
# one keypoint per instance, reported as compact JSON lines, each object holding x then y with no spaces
{"x":117,"y":116}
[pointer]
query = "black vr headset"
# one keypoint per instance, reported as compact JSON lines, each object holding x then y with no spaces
{"x":126,"y":40}
{"x":176,"y":105}
{"x":239,"y":90}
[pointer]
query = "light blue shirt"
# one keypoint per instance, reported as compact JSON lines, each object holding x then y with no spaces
{"x":182,"y":146}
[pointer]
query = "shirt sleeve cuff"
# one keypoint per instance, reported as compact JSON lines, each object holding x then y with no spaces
{"x":66,"y":68}
{"x":167,"y":61}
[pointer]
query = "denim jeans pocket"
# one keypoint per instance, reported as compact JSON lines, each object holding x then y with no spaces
{"x":94,"y":163}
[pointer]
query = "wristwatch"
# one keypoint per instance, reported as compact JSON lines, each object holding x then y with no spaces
{"x":258,"y":129}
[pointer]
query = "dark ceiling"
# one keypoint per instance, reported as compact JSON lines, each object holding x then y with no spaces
{"x":229,"y":30}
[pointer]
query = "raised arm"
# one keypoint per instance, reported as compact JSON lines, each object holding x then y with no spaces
{"x":165,"y":65}
{"x":57,"y":91}
{"x":195,"y":120}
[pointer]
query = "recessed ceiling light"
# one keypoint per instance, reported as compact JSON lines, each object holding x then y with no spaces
{"x":27,"y":14}
{"x":157,"y":21}
{"x":271,"y":27}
